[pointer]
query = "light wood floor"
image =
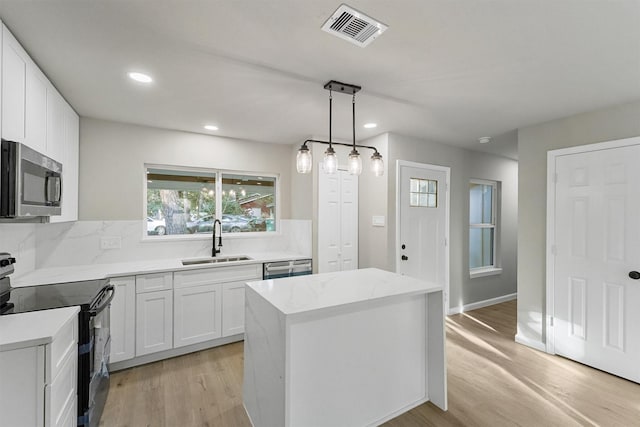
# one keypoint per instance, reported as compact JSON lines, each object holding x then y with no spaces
{"x":492,"y":382}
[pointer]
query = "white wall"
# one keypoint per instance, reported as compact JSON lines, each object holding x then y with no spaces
{"x":533,"y":143}
{"x":112,"y":158}
{"x":465,"y":165}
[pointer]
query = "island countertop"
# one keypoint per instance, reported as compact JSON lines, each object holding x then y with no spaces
{"x":301,"y":294}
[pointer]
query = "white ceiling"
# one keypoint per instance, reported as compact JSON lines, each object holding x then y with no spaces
{"x":444,"y":71}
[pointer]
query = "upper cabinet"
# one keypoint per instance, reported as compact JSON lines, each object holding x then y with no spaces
{"x":35,"y":114}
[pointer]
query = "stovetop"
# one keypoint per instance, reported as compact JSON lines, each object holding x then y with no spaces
{"x":34,"y":298}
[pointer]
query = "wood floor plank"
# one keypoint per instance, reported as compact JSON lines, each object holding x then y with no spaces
{"x":492,"y":381}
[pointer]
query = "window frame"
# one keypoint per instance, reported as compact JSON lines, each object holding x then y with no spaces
{"x":218,"y":189}
{"x":495,"y":268}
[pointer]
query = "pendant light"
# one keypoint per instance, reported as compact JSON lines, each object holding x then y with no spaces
{"x":330,"y":163}
{"x":377,"y":165}
{"x":304,"y":160}
{"x":354,"y":164}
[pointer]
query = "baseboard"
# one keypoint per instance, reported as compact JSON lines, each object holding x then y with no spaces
{"x":480,"y":304}
{"x":537,"y":345}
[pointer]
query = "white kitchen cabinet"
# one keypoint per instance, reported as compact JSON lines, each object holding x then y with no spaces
{"x":35,"y":114}
{"x":38,"y":386}
{"x":55,"y":125}
{"x":197,"y":314}
{"x":154,"y":322}
{"x":14,"y":73}
{"x":35,"y":117}
{"x":233,"y":308}
{"x":123,"y":319}
{"x":69,"y":152}
{"x":22,"y":387}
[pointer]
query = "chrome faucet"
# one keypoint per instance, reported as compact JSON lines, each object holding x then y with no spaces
{"x":215,"y":251}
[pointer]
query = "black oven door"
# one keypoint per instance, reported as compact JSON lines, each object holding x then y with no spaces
{"x":96,"y":381}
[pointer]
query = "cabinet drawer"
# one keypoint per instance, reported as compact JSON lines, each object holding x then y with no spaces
{"x":154,"y":282}
{"x":207,"y":276}
{"x":64,"y":344}
{"x":61,"y":393}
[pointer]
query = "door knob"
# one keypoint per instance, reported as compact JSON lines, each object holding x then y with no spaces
{"x":404,"y":258}
{"x":634,"y":275}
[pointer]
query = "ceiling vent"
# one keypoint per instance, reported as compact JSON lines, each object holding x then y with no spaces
{"x":353,"y":26}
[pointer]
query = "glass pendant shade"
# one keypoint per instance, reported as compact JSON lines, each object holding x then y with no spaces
{"x":377,"y":165}
{"x":354,"y":163}
{"x":330,"y":163}
{"x":304,"y":160}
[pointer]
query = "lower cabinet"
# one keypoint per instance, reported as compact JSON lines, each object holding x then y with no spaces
{"x":38,"y":386}
{"x":232,"y":308}
{"x":155,"y":312}
{"x":123,"y":319}
{"x":197,"y":314}
{"x":154,"y":322}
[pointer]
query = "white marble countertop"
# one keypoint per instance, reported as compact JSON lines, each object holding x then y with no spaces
{"x":293,"y":295}
{"x":33,"y":328}
{"x":74,"y":273}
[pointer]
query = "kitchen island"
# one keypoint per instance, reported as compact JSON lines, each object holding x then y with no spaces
{"x":352,"y":348}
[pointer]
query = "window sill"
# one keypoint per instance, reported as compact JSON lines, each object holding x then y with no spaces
{"x":483,"y":272}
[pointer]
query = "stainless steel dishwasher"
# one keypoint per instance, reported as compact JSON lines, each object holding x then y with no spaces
{"x":278,"y":269}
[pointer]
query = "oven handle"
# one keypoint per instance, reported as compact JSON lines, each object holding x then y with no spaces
{"x":109,"y":288}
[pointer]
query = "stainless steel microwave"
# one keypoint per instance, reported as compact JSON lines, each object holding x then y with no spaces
{"x":30,"y":182}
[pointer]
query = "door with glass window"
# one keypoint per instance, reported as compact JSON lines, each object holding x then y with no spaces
{"x":423,"y":222}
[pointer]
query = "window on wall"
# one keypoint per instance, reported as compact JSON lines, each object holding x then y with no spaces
{"x":483,"y":228}
{"x":188,"y":201}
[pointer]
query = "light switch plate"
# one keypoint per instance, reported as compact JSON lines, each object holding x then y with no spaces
{"x":377,"y":221}
{"x":113,"y":242}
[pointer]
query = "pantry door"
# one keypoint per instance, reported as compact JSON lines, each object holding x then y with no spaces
{"x":422,"y":229}
{"x":594,"y":256}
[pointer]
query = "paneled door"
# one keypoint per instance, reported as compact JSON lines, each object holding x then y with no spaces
{"x":422,"y":227}
{"x":596,"y":291}
{"x":337,"y":221}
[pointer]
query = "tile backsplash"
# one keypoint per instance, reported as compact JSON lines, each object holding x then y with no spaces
{"x":81,"y":242}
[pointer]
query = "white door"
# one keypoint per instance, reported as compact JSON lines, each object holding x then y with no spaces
{"x":596,"y":314}
{"x":337,"y":221}
{"x":422,"y":228}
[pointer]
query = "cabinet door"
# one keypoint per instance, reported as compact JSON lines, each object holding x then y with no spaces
{"x":197,"y":314}
{"x":35,"y":119}
{"x":123,"y":318}
{"x":55,"y":125}
{"x":154,"y":322}
{"x":14,"y":66}
{"x":22,"y":387}
{"x":69,"y":152}
{"x":232,"y":308}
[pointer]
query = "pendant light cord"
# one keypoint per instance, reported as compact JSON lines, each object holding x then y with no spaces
{"x":353,"y":108}
{"x":330,"y":114}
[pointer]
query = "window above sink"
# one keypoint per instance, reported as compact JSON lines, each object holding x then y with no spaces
{"x":181,"y":201}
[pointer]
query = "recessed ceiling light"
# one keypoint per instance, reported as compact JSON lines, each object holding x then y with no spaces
{"x":211,"y":127}
{"x":370,"y":125}
{"x":140,"y":77}
{"x":484,"y":139}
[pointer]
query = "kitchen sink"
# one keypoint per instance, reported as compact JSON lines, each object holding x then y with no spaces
{"x":215,"y":260}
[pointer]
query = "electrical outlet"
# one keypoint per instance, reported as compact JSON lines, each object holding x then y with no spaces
{"x":114,"y":242}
